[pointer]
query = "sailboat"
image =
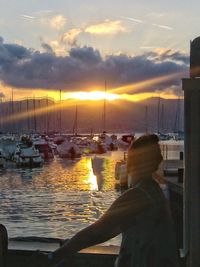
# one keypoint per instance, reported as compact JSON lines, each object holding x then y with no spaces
{"x":178,"y":134}
{"x":75,"y":126}
{"x":106,"y":142}
{"x":160,"y":119}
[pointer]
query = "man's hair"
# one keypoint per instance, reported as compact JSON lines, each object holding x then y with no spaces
{"x":144,"y":154}
{"x":145,"y":140}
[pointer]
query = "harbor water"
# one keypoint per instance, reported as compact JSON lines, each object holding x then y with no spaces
{"x":60,"y":198}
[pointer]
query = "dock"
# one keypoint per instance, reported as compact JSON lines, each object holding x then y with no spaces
{"x":23,"y":254}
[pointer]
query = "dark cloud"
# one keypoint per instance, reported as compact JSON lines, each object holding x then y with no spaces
{"x":169,"y":55}
{"x":47,"y":48}
{"x":85,"y":67}
{"x":87,"y":55}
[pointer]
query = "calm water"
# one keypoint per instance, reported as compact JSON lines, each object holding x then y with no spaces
{"x":58,"y":199}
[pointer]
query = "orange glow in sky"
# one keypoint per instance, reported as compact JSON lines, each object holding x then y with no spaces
{"x":143,"y":96}
{"x":94,"y":95}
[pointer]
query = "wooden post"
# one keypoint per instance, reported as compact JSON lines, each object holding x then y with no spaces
{"x":3,"y":245}
{"x":191,"y":89}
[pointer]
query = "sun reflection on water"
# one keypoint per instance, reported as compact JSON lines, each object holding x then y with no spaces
{"x":91,"y":178}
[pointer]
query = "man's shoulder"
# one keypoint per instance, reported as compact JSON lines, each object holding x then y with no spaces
{"x":133,"y":193}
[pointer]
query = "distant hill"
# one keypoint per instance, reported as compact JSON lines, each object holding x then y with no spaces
{"x":121,"y":116}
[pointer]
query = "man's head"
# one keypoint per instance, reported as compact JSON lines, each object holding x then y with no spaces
{"x":144,"y":156}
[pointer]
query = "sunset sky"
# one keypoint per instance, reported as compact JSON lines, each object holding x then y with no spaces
{"x":141,"y":48}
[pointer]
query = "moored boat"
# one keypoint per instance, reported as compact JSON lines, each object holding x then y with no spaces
{"x":27,"y":156}
{"x":44,"y":148}
{"x":68,"y":150}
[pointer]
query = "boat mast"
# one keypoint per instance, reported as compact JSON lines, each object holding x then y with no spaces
{"x":27,"y":109}
{"x":20,"y":123}
{"x":12,"y":111}
{"x":158,"y":116}
{"x":34,"y":118}
{"x":162,"y":118}
{"x":75,"y":126}
{"x":12,"y":106}
{"x":146,"y":119}
{"x":104,"y":108}
{"x":47,"y":115}
{"x":177,"y":117}
{"x":60,"y":114}
{"x":1,"y":112}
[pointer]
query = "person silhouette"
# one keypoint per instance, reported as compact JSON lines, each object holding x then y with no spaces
{"x":141,"y":214}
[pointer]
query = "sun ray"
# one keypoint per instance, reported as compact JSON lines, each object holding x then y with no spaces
{"x":147,"y":83}
{"x":38,"y":111}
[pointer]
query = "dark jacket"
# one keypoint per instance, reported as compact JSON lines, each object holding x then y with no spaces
{"x":148,"y":240}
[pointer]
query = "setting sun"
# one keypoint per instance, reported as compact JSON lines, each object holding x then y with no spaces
{"x":95,"y":95}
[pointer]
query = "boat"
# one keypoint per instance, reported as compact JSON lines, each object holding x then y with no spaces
{"x":110,"y":142}
{"x":90,"y":146}
{"x":179,"y":136}
{"x":164,"y":136}
{"x":58,"y":139}
{"x":26,"y":155}
{"x":86,"y":145}
{"x":69,"y":149}
{"x":178,"y":133}
{"x":121,"y":174}
{"x":44,"y":148}
{"x":98,"y":147}
{"x":8,"y":145}
{"x":125,"y":141}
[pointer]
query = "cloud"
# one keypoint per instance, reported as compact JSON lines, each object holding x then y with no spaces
{"x":47,"y":19}
{"x":61,"y":45}
{"x":57,"y":22}
{"x":132,"y":19}
{"x":70,"y":37}
{"x":106,"y":27}
{"x":160,"y":54}
{"x":164,"y":27}
{"x":84,"y":68}
{"x":1,"y":40}
{"x":27,"y":17}
{"x":58,"y":48}
{"x":47,"y":48}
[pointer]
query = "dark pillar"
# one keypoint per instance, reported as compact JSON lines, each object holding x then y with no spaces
{"x":191,"y":89}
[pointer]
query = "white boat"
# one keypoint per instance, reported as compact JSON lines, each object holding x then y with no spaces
{"x":69,"y":149}
{"x":164,"y":136}
{"x":179,"y":136}
{"x":85,"y":144}
{"x":98,"y":147}
{"x":27,"y":156}
{"x":121,"y":174}
{"x":90,"y":146}
{"x":8,"y":146}
{"x":44,"y":148}
{"x":59,"y":139}
{"x":125,"y":141}
{"x":110,"y":142}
